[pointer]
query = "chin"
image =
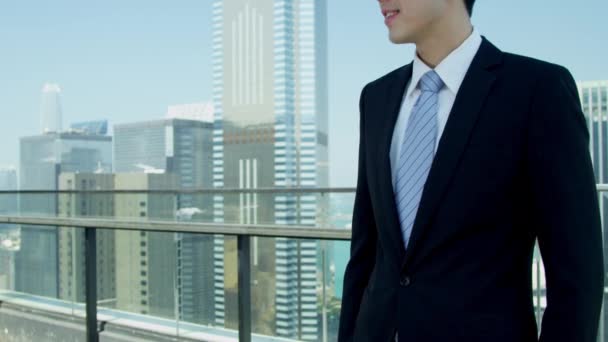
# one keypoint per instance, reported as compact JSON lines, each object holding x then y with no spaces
{"x":399,"y":38}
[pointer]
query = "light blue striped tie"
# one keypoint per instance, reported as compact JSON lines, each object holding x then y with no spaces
{"x":417,"y":152}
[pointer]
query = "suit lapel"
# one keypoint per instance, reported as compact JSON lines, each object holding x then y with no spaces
{"x":395,"y":94}
{"x":467,"y":106}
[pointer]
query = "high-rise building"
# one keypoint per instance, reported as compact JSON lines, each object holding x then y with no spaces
{"x":42,"y":159}
{"x":146,"y":261}
{"x":182,"y":148}
{"x":71,"y":241}
{"x":134,"y":269}
{"x":50,"y":109}
{"x":594,"y":100}
{"x":271,"y":124}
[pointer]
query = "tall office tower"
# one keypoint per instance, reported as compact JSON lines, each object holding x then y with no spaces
{"x":9,"y":234}
{"x":270,"y":101}
{"x":594,"y":100}
{"x":71,"y":240}
{"x":145,"y":261}
{"x":183,"y":148}
{"x":42,"y":159}
{"x":50,"y":109}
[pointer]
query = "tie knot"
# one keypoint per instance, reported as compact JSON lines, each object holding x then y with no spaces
{"x":431,"y":82}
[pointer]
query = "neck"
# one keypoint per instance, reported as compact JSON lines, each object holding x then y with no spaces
{"x":442,"y":38}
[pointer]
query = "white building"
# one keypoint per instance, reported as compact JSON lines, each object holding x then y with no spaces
{"x":50,"y":109}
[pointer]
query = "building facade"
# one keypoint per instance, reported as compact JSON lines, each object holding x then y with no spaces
{"x":270,"y":101}
{"x":181,"y":148}
{"x":71,"y":240}
{"x":42,"y":159}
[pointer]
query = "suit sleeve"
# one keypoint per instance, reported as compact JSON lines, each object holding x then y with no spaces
{"x":565,"y":209}
{"x":363,"y":243}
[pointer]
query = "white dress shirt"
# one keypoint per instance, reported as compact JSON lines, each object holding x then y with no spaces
{"x":452,"y":71}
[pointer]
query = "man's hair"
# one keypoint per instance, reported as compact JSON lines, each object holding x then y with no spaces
{"x":469,"y":4}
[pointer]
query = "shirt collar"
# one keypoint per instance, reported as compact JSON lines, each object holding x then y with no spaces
{"x":453,"y":68}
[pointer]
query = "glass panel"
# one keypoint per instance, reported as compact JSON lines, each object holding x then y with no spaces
{"x":297,"y":287}
{"x":137,"y":280}
{"x":209,"y":286}
{"x":10,"y":235}
{"x":339,"y":252}
{"x":603,"y":327}
{"x":42,"y":276}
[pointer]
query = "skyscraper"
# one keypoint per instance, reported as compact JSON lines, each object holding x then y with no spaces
{"x":182,"y":148}
{"x":270,"y":100}
{"x":50,"y":109}
{"x":134,"y":272}
{"x":71,"y":242}
{"x":146,"y":261}
{"x":42,"y":159}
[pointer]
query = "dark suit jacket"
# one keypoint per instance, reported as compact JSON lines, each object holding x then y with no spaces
{"x":512,"y":166}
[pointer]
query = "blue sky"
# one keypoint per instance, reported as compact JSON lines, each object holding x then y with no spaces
{"x":128,"y":60}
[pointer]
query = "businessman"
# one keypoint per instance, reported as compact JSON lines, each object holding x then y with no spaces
{"x":467,"y":156}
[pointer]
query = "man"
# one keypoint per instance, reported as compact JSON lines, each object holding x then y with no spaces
{"x":466,"y":157}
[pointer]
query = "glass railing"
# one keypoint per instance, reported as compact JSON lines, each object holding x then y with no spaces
{"x":172,"y":264}
{"x":165,"y":264}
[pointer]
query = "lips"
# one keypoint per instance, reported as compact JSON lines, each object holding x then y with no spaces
{"x":389,"y":15}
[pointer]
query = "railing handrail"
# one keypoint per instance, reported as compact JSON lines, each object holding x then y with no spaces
{"x":600,"y":187}
{"x":186,"y":191}
{"x":209,"y":228}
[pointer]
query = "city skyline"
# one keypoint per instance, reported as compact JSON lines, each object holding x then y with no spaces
{"x":239,"y":94}
{"x":129,"y":65}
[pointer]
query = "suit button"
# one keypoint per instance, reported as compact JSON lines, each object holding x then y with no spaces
{"x":405,"y":281}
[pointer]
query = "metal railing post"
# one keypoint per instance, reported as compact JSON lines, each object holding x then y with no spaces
{"x":90,"y":256}
{"x":244,"y":282}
